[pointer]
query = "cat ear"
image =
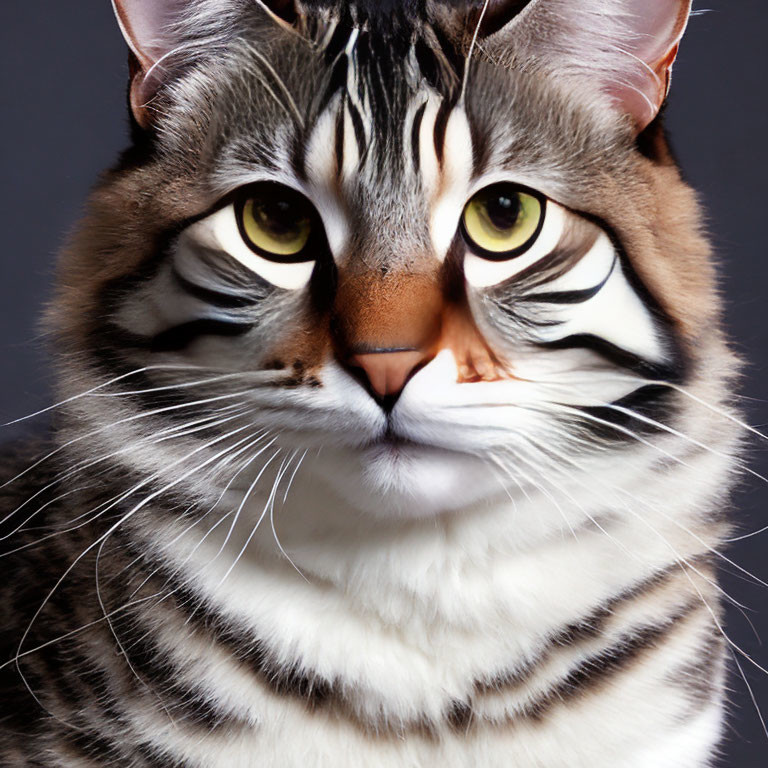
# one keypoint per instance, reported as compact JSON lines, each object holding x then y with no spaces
{"x":629,"y":46}
{"x":153,"y":31}
{"x":656,"y":28}
{"x":150,"y":29}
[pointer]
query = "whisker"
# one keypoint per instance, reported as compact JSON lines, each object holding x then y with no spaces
{"x":581,"y":508}
{"x":673,"y":520}
{"x":750,"y":691}
{"x":96,"y":389}
{"x":126,"y":420}
{"x":270,"y":499}
{"x":285,"y":497}
{"x":545,"y":493}
{"x":190,"y":384}
{"x":179,"y":431}
{"x":178,"y":537}
{"x":472,"y":45}
{"x":671,"y":430}
{"x":653,"y":508}
{"x":114,"y":501}
{"x":250,"y":490}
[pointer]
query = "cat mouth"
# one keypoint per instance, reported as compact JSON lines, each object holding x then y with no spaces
{"x":394,"y":441}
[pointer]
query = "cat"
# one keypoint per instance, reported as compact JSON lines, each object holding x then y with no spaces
{"x":395,"y":419}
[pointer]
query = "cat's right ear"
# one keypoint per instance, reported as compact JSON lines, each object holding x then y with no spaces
{"x":154,"y":31}
{"x":151,"y":29}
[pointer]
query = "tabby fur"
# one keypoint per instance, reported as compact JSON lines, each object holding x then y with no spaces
{"x":232,"y":554}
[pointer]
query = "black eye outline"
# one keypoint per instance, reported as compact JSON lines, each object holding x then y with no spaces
{"x":315,"y":246}
{"x":511,"y":188}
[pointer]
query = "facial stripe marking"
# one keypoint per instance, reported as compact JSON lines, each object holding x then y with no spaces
{"x":578,"y":296}
{"x":181,"y":336}
{"x":616,"y":314}
{"x":454,"y":186}
{"x":591,"y":305}
{"x":428,"y":163}
{"x":415,"y":136}
{"x":615,"y":354}
{"x":442,"y":119}
{"x":356,"y":95}
{"x":358,"y":131}
{"x":209,"y":296}
{"x":340,"y":138}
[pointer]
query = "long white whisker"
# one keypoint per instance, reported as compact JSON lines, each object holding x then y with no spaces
{"x":581,"y":508}
{"x":87,"y":465}
{"x":270,"y":500}
{"x":249,"y":491}
{"x":681,"y":435}
{"x":541,"y":489}
{"x":613,"y":489}
{"x":95,"y":389}
{"x":272,"y":512}
{"x":190,"y":384}
{"x":223,"y":519}
{"x":174,"y":430}
{"x":672,"y":431}
{"x":126,"y":420}
{"x":750,"y":691}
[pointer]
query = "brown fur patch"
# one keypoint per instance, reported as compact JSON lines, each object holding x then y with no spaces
{"x":395,"y":310}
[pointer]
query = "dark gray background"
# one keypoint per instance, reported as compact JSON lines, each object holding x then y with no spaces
{"x":63,"y":75}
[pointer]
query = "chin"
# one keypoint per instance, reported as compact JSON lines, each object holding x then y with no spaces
{"x":406,"y":480}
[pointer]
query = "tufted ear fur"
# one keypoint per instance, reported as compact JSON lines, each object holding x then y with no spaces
{"x":156,"y":30}
{"x":626,"y":47}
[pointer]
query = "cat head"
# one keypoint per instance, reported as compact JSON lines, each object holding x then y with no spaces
{"x":442,"y":244}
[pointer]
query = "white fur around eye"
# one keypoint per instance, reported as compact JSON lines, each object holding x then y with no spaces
{"x":483,"y":273}
{"x":220,"y":232}
{"x":457,"y":174}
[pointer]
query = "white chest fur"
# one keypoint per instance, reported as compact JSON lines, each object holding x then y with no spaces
{"x":404,"y":620}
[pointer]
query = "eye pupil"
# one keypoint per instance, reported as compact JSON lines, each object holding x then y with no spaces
{"x":503,"y":212}
{"x":278,"y":217}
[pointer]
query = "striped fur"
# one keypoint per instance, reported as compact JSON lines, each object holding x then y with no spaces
{"x":232,"y":555}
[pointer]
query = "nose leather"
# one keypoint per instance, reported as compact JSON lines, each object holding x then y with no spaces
{"x":388,"y":372}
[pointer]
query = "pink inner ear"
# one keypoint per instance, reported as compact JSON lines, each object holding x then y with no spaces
{"x":656,"y":27}
{"x":658,"y":24}
{"x":148,"y":26}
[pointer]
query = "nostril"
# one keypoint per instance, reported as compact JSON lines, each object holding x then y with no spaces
{"x":388,"y":372}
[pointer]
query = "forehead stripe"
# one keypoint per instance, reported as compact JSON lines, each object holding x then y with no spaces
{"x":441,"y":126}
{"x":339,"y":140}
{"x":359,"y":128}
{"x":416,"y":136}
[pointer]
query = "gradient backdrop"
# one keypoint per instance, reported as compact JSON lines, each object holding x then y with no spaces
{"x":63,"y":77}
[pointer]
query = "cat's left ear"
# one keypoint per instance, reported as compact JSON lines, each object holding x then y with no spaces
{"x":154,"y":30}
{"x":625,"y":47}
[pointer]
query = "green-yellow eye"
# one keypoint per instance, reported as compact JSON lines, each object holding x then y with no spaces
{"x":276,"y":222}
{"x":503,"y":221}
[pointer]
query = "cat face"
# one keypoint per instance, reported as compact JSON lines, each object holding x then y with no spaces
{"x":433,"y":277}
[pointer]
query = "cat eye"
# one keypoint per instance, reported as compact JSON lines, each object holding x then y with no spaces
{"x":277,"y":222}
{"x":502,"y":221}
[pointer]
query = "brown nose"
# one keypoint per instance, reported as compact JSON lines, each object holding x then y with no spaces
{"x":388,"y":372}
